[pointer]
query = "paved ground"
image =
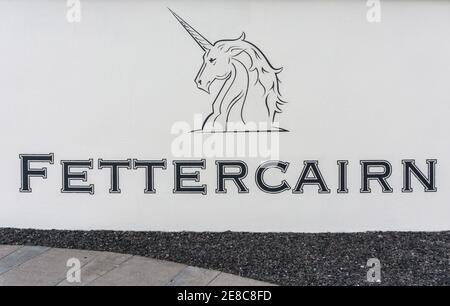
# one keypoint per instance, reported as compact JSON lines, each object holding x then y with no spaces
{"x":407,"y":258}
{"x":36,"y":265}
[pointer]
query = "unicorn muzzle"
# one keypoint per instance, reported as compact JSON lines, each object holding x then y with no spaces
{"x":203,"y":84}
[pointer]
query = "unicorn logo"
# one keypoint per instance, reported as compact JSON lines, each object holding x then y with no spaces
{"x":249,"y":94}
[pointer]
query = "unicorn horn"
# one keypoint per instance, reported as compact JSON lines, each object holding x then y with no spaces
{"x":201,"y":41}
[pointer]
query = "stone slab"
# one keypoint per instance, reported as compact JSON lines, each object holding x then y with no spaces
{"x":140,"y":271}
{"x":99,"y":266}
{"x":46,"y":269}
{"x":20,"y":256}
{"x":225,"y":279}
{"x":194,"y":276}
{"x":8,"y":249}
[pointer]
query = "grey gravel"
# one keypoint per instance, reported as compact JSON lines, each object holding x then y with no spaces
{"x":407,"y":258}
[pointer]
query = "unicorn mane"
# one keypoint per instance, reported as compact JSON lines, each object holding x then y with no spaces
{"x":266,"y":74}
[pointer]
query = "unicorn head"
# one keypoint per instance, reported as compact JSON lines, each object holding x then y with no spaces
{"x":242,"y":67}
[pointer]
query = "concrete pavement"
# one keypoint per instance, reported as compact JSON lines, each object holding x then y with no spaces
{"x":40,"y":266}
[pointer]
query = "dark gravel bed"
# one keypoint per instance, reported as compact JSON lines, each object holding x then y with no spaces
{"x":407,"y":258}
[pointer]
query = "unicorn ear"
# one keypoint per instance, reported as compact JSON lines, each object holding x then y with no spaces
{"x":242,"y":37}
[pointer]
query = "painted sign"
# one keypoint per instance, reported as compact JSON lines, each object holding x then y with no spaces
{"x":244,"y":116}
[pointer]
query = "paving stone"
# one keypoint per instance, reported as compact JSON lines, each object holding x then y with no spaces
{"x":7,"y":249}
{"x":140,"y":271}
{"x":225,"y":279}
{"x":99,"y":266}
{"x":47,"y":269}
{"x":193,"y":276}
{"x":20,"y":256}
{"x":33,"y":266}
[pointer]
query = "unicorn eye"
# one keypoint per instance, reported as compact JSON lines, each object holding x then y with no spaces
{"x":212,"y":60}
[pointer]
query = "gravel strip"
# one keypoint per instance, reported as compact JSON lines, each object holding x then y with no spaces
{"x":407,"y":258}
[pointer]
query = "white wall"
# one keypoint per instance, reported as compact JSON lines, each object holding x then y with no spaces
{"x":113,"y":86}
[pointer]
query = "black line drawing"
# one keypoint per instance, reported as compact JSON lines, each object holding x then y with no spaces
{"x":249,"y":96}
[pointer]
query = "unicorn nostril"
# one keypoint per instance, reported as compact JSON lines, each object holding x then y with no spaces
{"x":199,"y":82}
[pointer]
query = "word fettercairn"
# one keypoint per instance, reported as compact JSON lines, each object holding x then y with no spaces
{"x":234,"y":171}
